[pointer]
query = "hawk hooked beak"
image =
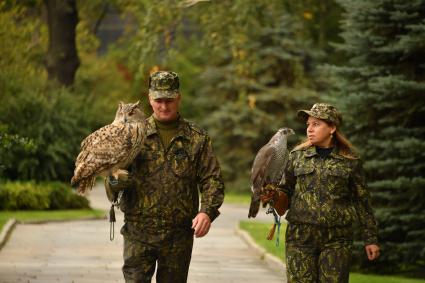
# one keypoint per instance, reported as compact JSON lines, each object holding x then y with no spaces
{"x":287,"y":131}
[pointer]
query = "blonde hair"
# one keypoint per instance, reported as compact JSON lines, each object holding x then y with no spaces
{"x":345,"y":148}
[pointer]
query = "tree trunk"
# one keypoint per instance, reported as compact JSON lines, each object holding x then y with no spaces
{"x":62,"y":58}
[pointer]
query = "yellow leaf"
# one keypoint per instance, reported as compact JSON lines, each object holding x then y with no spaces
{"x":154,"y":69}
{"x":308,"y":15}
{"x":251,"y":101}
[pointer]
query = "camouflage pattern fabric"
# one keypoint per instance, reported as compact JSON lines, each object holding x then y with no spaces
{"x":328,"y":192}
{"x":172,"y":250}
{"x":164,"y":84}
{"x":161,"y":195}
{"x":318,"y":254}
{"x":322,"y":111}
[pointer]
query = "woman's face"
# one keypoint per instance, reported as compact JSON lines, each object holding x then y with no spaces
{"x":319,"y":132}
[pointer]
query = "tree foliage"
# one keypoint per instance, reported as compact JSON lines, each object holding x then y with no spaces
{"x":9,"y":143}
{"x":54,"y":119}
{"x":245,"y":67}
{"x":381,"y":91}
{"x":262,"y":75}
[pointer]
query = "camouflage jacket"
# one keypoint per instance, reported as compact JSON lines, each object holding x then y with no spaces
{"x":328,"y":191}
{"x":162,"y":190}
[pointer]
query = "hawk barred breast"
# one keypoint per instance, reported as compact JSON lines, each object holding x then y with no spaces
{"x":269,"y":167}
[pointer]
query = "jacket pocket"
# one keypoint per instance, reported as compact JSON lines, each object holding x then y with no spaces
{"x":305,"y":180}
{"x":304,"y":170}
{"x":338,"y":179}
{"x":339,"y":172}
{"x":149,"y":162}
{"x":130,"y":200}
{"x":180,"y":162}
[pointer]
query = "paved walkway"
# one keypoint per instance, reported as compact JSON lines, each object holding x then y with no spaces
{"x":80,"y":251}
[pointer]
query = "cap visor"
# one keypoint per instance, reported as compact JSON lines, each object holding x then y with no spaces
{"x":156,"y":94}
{"x":303,"y":115}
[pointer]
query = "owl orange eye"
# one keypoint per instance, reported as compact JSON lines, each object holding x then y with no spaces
{"x":130,"y":113}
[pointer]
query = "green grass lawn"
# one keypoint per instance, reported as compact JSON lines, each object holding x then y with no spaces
{"x":366,"y":278}
{"x":49,"y":215}
{"x":258,"y":232}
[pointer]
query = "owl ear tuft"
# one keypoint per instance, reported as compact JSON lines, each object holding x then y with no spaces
{"x":137,"y":104}
{"x":120,"y":104}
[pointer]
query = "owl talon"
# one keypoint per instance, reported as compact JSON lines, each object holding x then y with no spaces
{"x":120,"y":174}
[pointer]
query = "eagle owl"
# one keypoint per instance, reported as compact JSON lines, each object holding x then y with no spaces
{"x":269,"y":167}
{"x":110,"y":148}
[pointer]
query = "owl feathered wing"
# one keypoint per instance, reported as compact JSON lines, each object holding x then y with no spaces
{"x":102,"y":151}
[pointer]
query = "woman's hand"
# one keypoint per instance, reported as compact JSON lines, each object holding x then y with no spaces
{"x":372,"y":251}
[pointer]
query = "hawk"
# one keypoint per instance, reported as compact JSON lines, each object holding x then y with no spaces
{"x":269,"y":167}
{"x":110,"y":148}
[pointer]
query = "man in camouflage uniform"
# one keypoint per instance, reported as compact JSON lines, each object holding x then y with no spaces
{"x":327,"y":191}
{"x":160,"y":198}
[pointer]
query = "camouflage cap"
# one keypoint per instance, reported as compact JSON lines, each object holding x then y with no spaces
{"x":163,"y":84}
{"x":322,"y":111}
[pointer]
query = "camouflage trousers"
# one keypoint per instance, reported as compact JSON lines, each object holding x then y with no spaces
{"x":171,"y":251}
{"x":318,"y":254}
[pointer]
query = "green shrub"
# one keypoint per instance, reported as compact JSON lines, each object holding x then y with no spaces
{"x":62,"y":197}
{"x":57,"y":127}
{"x":34,"y":109}
{"x":23,"y":196}
{"x":39,"y":196}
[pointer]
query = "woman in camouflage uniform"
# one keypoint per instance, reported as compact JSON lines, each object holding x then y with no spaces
{"x":326,"y":186}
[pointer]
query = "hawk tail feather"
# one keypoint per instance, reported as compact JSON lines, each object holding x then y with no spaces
{"x":254,"y":207}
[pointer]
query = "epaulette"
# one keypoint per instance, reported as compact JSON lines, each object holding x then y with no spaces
{"x":195,"y":127}
{"x":295,"y":149}
{"x":299,"y":149}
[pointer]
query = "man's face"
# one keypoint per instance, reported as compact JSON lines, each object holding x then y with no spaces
{"x":165,"y":109}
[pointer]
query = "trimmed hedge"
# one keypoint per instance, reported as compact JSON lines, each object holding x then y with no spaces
{"x":39,"y":196}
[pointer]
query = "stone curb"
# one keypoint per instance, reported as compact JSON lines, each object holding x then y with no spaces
{"x":6,"y":231}
{"x":271,"y":260}
{"x":63,"y":220}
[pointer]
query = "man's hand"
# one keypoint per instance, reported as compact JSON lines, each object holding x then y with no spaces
{"x":201,"y":223}
{"x":372,"y":252}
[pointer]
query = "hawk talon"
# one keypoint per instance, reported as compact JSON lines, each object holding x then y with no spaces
{"x":270,"y":210}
